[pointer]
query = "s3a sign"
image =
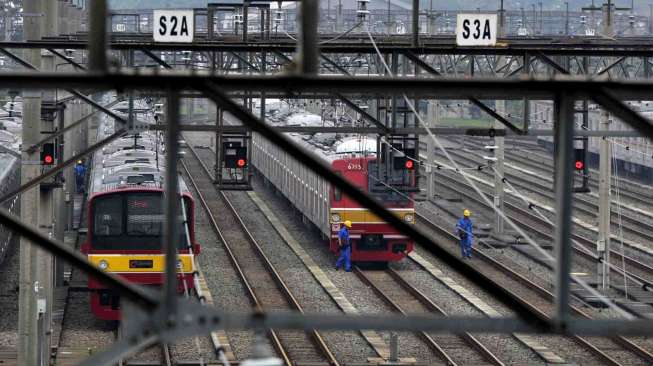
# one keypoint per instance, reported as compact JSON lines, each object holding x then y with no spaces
{"x":176,"y":26}
{"x":476,"y":30}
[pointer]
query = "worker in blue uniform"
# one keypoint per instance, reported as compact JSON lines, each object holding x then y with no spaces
{"x":464,"y":230}
{"x":80,"y":174}
{"x":345,"y":247}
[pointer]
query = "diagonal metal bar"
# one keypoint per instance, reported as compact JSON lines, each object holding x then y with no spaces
{"x":17,"y":59}
{"x":325,"y":171}
{"x":53,"y":136}
{"x":603,"y":97}
{"x":67,"y":59}
{"x":612,"y":65}
{"x":334,"y":64}
{"x":156,"y":58}
{"x":547,"y":60}
{"x":61,"y":166}
{"x":244,"y":60}
{"x":76,"y":93}
{"x":418,"y":61}
{"x":362,"y":112}
{"x":63,"y":251}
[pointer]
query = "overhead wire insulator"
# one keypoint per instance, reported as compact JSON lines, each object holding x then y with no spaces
{"x":362,"y":12}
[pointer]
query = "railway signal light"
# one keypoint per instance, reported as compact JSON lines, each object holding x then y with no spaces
{"x":410,"y":165}
{"x":579,"y":159}
{"x":47,"y":154}
{"x":235,"y":155}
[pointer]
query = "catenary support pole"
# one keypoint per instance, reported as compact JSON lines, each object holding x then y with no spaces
{"x":432,"y":114}
{"x":563,"y":140}
{"x":29,"y":291}
{"x":605,"y":178}
{"x":415,"y":19}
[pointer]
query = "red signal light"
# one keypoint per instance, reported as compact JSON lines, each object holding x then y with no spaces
{"x":410,"y":164}
{"x":241,"y":163}
{"x":48,"y":160}
{"x":579,"y":165}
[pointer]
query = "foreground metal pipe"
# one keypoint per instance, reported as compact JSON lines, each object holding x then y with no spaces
{"x":97,"y":37}
{"x":308,"y":40}
{"x":171,"y":232}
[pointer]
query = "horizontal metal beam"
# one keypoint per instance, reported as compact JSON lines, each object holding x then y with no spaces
{"x":352,"y":44}
{"x":402,"y":131}
{"x":294,"y":85}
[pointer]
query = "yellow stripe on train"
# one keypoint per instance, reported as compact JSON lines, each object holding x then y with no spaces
{"x":139,"y":263}
{"x":361,"y":215}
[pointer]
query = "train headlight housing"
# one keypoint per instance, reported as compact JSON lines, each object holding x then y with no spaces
{"x":103,"y":264}
{"x":409,"y":218}
{"x":180,"y":264}
{"x":335,"y":218}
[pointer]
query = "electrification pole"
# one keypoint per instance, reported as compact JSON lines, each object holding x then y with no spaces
{"x":605,"y":177}
{"x":432,"y":116}
{"x":499,"y":145}
{"x":31,"y":293}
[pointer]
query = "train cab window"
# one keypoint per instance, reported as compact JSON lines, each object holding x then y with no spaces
{"x":107,"y":220}
{"x":337,"y":194}
{"x":144,"y":215}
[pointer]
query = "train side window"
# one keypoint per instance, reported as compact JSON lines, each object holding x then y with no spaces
{"x":337,"y":194}
{"x":107,"y":220}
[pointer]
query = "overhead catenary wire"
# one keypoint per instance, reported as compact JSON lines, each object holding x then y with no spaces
{"x":467,"y":176}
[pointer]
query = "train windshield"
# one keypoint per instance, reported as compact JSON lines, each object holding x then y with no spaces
{"x":131,"y":221}
{"x":388,"y":188}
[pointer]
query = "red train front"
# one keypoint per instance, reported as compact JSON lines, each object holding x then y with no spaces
{"x":125,"y":229}
{"x":373,"y":240}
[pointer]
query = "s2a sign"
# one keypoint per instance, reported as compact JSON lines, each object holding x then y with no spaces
{"x":476,"y":30}
{"x":173,"y":26}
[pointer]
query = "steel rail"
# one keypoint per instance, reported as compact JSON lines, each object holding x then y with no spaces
{"x":631,"y":224}
{"x":584,"y":241}
{"x":424,"y":301}
{"x":542,"y":165}
{"x":317,"y":338}
{"x":624,"y":342}
{"x":276,"y":343}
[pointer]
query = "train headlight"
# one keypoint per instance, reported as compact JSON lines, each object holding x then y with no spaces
{"x":103,"y":264}
{"x":335,"y":218}
{"x":180,"y":264}
{"x":409,"y":218}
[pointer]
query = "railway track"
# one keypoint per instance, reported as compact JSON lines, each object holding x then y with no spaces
{"x":616,"y":350}
{"x":528,"y":221}
{"x":632,"y":225}
{"x":404,"y":298}
{"x":264,"y":285}
{"x":540,"y":162}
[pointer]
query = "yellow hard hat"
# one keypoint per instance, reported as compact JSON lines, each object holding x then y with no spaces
{"x":466,"y":213}
{"x":348,"y":223}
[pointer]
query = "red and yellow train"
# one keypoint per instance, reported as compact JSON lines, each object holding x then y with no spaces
{"x":126,"y":219}
{"x":373,"y":240}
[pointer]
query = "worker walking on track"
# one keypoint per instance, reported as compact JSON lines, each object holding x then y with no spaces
{"x":345,"y":247}
{"x":464,"y":229}
{"x":80,"y":174}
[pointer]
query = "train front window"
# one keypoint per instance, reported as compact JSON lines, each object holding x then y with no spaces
{"x":388,"y":188}
{"x":144,"y":215}
{"x":132,"y":221}
{"x":107,"y":220}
